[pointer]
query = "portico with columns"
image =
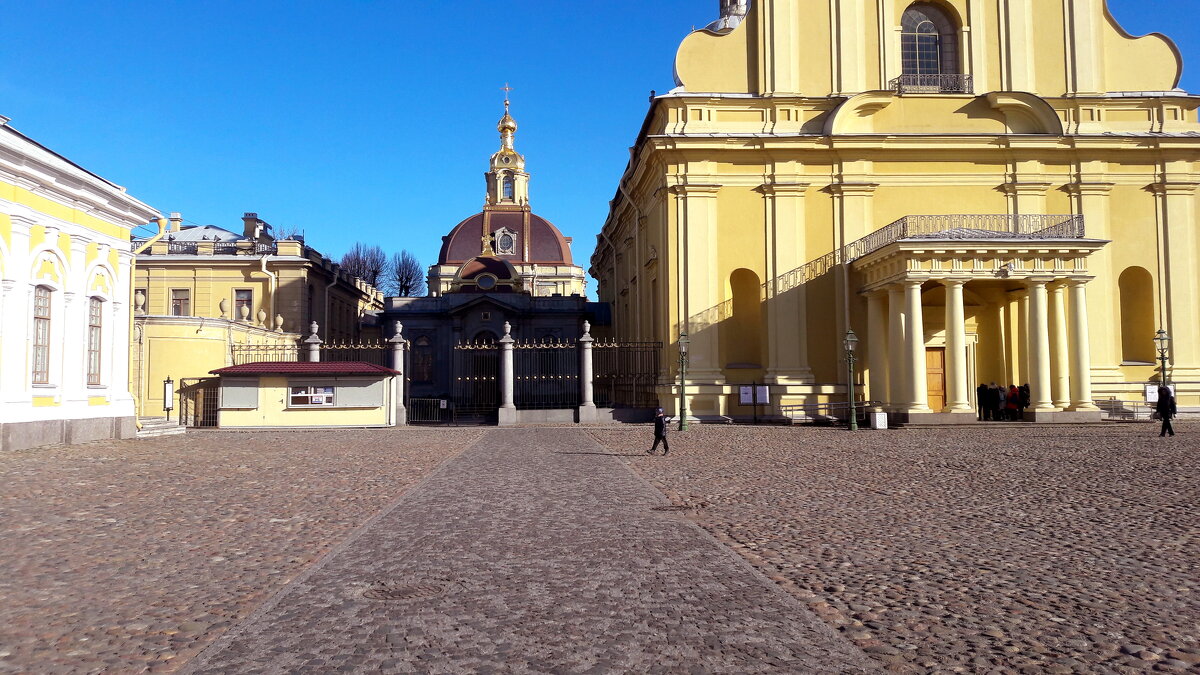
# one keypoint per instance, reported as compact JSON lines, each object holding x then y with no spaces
{"x":945,"y":314}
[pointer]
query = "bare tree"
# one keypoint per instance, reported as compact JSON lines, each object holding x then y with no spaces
{"x":368,"y":263}
{"x":407,"y":276}
{"x":289,"y":232}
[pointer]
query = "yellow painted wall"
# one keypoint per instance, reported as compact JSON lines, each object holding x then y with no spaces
{"x":273,"y":411}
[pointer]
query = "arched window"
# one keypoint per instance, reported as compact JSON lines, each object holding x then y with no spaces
{"x":94,"y":339}
{"x":928,"y":41}
{"x":1136,"y":288}
{"x":41,"y":335}
{"x":929,"y":51}
{"x":509,"y":187}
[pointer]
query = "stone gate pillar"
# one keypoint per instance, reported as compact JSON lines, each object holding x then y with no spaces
{"x":587,"y":407}
{"x":398,"y":344}
{"x":314,"y":344}
{"x":507,"y":415}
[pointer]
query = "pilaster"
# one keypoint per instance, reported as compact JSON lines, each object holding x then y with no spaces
{"x":1019,"y":45}
{"x":1181,"y":287}
{"x":787,"y":306}
{"x":1092,"y":200}
{"x":700,"y":286}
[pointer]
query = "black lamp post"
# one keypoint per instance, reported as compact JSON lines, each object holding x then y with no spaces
{"x":168,"y":395}
{"x":1163,"y":342}
{"x":683,"y":364}
{"x":849,"y":343}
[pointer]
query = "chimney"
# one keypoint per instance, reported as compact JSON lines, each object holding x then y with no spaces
{"x":250,"y":225}
{"x":176,"y":221}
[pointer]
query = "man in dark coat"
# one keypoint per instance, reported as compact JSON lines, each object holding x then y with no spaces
{"x":1166,"y":410}
{"x":981,"y":393}
{"x":660,"y":433}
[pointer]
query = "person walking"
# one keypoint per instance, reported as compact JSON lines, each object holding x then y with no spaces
{"x":660,"y":433}
{"x":981,"y":393}
{"x":1166,"y":410}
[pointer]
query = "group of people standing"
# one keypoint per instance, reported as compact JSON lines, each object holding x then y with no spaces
{"x":995,"y":403}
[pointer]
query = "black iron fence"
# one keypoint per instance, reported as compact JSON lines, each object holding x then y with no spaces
{"x":198,"y":401}
{"x":545,"y":375}
{"x":952,"y":83}
{"x":475,"y":383}
{"x":428,"y":410}
{"x":626,"y":374}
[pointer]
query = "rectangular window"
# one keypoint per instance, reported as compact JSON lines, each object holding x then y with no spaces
{"x":41,"y":335}
{"x":181,"y":302}
{"x":95,"y":324}
{"x":243,"y":298}
{"x":310,"y":396}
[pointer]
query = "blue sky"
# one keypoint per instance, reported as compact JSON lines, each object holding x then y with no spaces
{"x":372,"y":122}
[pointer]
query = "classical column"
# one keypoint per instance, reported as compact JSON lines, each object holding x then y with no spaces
{"x":1060,"y":382}
{"x":397,"y":341}
{"x":508,"y":410}
{"x":1039,"y":346}
{"x":914,"y":334}
{"x":1081,"y":356}
{"x":958,"y":398}
{"x":877,"y":346}
{"x":897,"y":364}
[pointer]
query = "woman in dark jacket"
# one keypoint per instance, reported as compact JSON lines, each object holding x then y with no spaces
{"x":1166,"y":410}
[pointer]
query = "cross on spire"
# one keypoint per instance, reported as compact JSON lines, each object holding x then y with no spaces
{"x":506,"y":89}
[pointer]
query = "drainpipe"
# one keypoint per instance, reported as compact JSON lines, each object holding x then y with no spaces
{"x":135,"y":387}
{"x":274,"y":284}
{"x":337,"y":269}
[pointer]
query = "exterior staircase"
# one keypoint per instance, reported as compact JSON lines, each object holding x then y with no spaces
{"x":160,"y":426}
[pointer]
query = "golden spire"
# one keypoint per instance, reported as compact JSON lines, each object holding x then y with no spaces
{"x":507,"y":125}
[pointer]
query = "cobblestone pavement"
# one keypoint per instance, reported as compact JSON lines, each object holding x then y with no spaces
{"x":989,"y":550}
{"x":533,"y":551}
{"x":130,"y":556}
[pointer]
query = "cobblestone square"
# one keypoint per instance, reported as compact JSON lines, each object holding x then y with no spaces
{"x":990,"y":549}
{"x":1034,"y":549}
{"x":130,"y":556}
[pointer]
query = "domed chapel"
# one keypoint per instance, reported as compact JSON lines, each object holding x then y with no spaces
{"x":503,"y":265}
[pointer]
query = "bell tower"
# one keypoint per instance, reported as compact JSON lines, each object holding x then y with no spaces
{"x":507,"y":182}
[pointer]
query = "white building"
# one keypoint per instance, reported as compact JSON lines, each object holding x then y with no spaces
{"x":65,"y":270}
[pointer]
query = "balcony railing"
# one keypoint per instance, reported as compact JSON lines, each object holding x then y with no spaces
{"x":933,"y":84}
{"x":216,"y":248}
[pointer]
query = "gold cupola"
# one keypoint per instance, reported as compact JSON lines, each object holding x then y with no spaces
{"x":507,"y":182}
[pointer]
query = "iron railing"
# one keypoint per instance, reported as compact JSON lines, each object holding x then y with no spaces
{"x":1127,"y":411}
{"x":545,"y":374}
{"x":198,"y":401}
{"x":626,"y":374}
{"x":953,"y":83}
{"x":218,"y":247}
{"x":259,"y":353}
{"x":377,"y":353}
{"x":427,"y":411}
{"x":827,"y":413}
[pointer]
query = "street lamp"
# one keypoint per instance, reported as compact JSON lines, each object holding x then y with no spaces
{"x":168,"y":395}
{"x":849,"y":343}
{"x":683,"y":364}
{"x":1163,"y":342}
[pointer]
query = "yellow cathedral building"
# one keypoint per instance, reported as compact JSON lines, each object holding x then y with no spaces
{"x":981,"y":190}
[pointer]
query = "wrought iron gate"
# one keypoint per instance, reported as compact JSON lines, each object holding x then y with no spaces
{"x":198,"y":401}
{"x":545,"y":375}
{"x":625,"y":374}
{"x":476,"y":382}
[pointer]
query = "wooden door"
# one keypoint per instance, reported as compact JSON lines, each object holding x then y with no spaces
{"x":935,"y":369}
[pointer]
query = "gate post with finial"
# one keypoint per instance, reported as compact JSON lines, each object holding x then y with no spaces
{"x":507,"y":415}
{"x":398,"y":345}
{"x":587,"y":407}
{"x":314,"y":344}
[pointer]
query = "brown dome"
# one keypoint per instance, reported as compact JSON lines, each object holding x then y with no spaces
{"x":537,"y":240}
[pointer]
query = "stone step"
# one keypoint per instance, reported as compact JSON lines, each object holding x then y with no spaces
{"x":159,"y":426}
{"x":144,"y":433}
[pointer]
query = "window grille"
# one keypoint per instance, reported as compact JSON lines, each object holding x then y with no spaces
{"x":41,"y":335}
{"x":95,"y":337}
